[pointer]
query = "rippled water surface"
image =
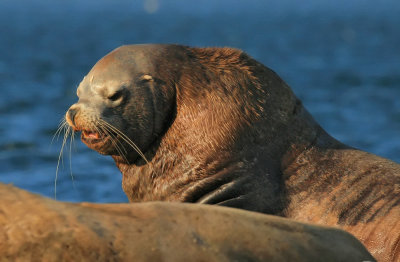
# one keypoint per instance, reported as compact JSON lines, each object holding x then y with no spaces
{"x":342,"y":58}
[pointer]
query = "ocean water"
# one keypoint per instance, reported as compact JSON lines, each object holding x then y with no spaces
{"x":342,"y":58}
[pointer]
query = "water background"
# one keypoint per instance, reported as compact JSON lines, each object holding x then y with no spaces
{"x":342,"y":58}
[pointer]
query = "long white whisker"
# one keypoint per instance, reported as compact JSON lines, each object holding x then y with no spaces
{"x":103,"y":129}
{"x":63,"y":124}
{"x":70,"y":158}
{"x":113,"y":136}
{"x":125,"y":138}
{"x":67,"y":131}
{"x":118,"y":146}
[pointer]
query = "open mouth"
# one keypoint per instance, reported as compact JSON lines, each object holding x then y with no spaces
{"x":101,"y":142}
{"x":92,"y":136}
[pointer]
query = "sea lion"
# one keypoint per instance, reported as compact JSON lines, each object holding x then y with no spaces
{"x":37,"y":229}
{"x":214,"y":126}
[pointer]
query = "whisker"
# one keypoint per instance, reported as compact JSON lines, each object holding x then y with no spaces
{"x":118,"y":146}
{"x":63,"y":124}
{"x":104,"y":129}
{"x":70,"y":158}
{"x":66,"y":133}
{"x":129,"y":141}
{"x":125,"y":138}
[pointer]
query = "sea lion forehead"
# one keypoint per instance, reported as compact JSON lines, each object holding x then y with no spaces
{"x":132,"y":60}
{"x":120,"y":67}
{"x":142,"y":55}
{"x":113,"y":66}
{"x":149,"y":51}
{"x":149,"y":56}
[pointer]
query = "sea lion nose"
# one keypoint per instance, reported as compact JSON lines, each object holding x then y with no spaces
{"x":71,"y":113}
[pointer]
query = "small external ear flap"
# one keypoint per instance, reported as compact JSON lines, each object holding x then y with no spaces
{"x":147,"y":78}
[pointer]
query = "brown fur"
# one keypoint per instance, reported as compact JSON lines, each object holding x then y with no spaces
{"x":37,"y":229}
{"x":221,"y":128}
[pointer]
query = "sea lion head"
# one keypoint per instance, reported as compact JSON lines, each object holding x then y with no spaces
{"x":123,"y":102}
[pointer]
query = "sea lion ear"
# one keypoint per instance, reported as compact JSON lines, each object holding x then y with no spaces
{"x":147,"y":78}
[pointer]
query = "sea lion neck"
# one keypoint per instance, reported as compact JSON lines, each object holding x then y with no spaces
{"x":307,"y":137}
{"x":309,"y":149}
{"x":221,"y":137}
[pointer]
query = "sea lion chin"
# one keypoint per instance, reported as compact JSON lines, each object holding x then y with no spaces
{"x":214,"y":126}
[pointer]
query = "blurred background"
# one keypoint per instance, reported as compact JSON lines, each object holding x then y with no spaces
{"x":342,"y":58}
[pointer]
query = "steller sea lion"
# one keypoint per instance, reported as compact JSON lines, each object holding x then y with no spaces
{"x":37,"y":229}
{"x":214,"y":126}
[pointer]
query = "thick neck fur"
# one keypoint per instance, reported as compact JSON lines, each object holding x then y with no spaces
{"x":235,"y":120}
{"x":240,"y":138}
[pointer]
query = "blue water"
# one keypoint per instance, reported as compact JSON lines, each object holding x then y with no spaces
{"x":342,"y":58}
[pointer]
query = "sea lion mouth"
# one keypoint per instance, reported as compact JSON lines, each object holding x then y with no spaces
{"x":92,"y":137}
{"x":88,"y":134}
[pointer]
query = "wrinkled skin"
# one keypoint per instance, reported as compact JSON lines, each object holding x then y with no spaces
{"x":217,"y":127}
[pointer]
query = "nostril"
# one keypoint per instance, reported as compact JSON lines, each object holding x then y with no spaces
{"x":71,"y":114}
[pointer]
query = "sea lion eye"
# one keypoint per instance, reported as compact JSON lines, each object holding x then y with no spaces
{"x":117,"y":95}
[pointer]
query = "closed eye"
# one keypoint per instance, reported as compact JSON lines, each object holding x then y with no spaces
{"x":117,"y":95}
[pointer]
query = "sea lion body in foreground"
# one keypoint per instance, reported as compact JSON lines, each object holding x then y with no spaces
{"x":218,"y":127}
{"x":37,"y":229}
